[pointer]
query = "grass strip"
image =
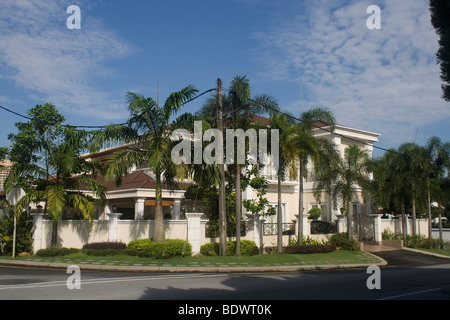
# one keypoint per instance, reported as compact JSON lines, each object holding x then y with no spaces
{"x":274,"y":259}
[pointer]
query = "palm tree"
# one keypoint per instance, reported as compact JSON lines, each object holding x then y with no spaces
{"x":59,"y":183}
{"x":390,"y":183}
{"x":287,"y":153}
{"x":342,"y":177}
{"x":438,"y":177}
{"x":148,"y":140}
{"x":239,"y":106}
{"x":310,"y":148}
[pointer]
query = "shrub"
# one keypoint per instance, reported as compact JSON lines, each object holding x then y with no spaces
{"x":342,"y":241}
{"x":316,"y":248}
{"x":209,"y":249}
{"x":105,"y":246}
{"x":248,"y":248}
{"x":315,"y":213}
{"x":137,"y":246}
{"x":168,"y":249}
{"x":56,"y":252}
{"x":306,"y":241}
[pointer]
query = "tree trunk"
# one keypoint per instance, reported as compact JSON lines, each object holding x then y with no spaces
{"x":300,"y":204}
{"x":429,"y":212}
{"x":238,"y":210}
{"x":279,"y":219}
{"x":158,"y":234}
{"x":414,"y":221}
{"x":54,"y":242}
{"x":222,"y":207}
{"x":440,"y":225}
{"x":350,"y":220}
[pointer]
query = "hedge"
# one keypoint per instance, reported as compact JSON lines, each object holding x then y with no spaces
{"x":105,"y":246}
{"x":56,"y":252}
{"x":317,"y":248}
{"x":168,"y":249}
{"x":248,"y":248}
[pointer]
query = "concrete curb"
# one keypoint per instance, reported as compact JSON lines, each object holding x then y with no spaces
{"x":52,"y":265}
{"x":426,"y":252}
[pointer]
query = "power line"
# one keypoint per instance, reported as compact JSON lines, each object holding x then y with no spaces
{"x":104,"y":126}
{"x":213,"y":89}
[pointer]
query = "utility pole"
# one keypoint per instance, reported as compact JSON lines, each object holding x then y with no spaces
{"x":222,"y":208}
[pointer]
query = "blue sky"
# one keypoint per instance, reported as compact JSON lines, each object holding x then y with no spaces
{"x":384,"y":81}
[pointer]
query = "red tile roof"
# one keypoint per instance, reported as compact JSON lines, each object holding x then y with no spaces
{"x":135,"y":180}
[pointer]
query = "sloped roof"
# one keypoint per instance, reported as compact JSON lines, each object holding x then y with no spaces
{"x":135,"y":180}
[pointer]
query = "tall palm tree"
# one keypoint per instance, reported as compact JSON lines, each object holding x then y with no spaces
{"x":341,"y":179}
{"x":288,"y":133}
{"x":438,"y":176}
{"x":310,"y":148}
{"x":239,"y":106}
{"x":148,"y":140}
{"x":390,"y":183}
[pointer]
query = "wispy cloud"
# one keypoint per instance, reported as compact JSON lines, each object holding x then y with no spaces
{"x":383,"y":80}
{"x":56,"y":64}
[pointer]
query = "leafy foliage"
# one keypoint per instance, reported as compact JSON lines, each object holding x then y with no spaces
{"x":168,"y":249}
{"x":342,"y":241}
{"x":248,"y":248}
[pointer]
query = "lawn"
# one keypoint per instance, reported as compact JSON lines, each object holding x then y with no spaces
{"x":335,"y":257}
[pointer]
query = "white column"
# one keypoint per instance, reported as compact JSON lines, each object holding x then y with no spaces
{"x":139,"y":207}
{"x":306,"y":225}
{"x":177,"y":209}
{"x":255,"y":220}
{"x":113,"y":226}
{"x":193,"y":231}
{"x":108,"y":210}
{"x":377,"y":227}
{"x":340,"y":221}
{"x":37,"y":233}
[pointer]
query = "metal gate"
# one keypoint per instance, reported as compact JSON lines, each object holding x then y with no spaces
{"x":364,"y":227}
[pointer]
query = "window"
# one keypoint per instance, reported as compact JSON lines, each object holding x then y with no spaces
{"x":285,"y":216}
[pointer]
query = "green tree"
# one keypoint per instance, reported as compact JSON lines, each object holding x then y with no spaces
{"x":309,"y":148}
{"x":52,"y":167}
{"x":148,"y":139}
{"x":239,"y":108}
{"x":287,"y":153}
{"x":440,"y":19}
{"x":342,"y":177}
{"x":438,"y":176}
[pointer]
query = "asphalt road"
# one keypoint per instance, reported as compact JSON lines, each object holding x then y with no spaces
{"x":408,"y":276}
